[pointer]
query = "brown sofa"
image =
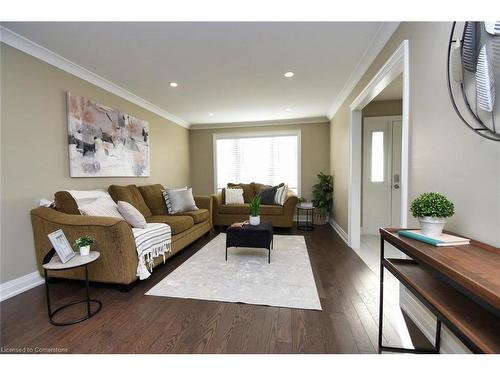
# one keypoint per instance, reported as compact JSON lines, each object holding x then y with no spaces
{"x":113,"y":237}
{"x":227,"y":214}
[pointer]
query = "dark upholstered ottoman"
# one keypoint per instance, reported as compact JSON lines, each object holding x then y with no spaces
{"x":259,"y":236}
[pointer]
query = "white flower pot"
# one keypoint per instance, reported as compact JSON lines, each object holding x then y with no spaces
{"x":85,"y":250}
{"x":432,"y":226}
{"x":254,"y":220}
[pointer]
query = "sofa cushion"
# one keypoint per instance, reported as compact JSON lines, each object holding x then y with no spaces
{"x":244,"y":209}
{"x":266,"y":209}
{"x":177,"y":223}
{"x":65,"y":203}
{"x":132,"y":195}
{"x":235,"y":209}
{"x":154,"y":198}
{"x":198,"y":216}
{"x":248,"y":191}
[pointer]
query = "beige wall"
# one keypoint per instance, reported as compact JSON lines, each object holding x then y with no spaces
{"x":383,"y":108}
{"x":445,"y":156}
{"x":315,"y":151}
{"x":34,"y":151}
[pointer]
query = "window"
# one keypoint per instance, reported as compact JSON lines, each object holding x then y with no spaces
{"x":378,"y":157}
{"x":268,"y":159}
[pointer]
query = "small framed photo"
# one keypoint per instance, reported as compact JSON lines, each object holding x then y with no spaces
{"x":61,"y":245}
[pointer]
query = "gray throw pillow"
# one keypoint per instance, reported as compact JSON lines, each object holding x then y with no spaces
{"x":180,"y":200}
{"x":131,"y":215}
{"x":267,"y":195}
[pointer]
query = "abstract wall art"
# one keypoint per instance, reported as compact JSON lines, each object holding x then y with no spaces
{"x":104,"y":142}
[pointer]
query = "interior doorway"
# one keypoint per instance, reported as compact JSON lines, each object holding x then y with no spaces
{"x":394,"y":73}
{"x":381,"y":155}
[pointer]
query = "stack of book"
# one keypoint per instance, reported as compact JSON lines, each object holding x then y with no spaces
{"x":442,"y":240}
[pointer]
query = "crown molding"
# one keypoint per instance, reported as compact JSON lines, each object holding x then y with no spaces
{"x":28,"y":46}
{"x":378,"y":42}
{"x":249,"y":124}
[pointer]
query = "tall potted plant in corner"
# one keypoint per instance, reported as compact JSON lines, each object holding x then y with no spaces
{"x":322,"y":198}
{"x":432,"y":209}
{"x":254,"y":211}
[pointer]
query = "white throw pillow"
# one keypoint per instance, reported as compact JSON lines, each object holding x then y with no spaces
{"x":179,"y":200}
{"x":104,"y":206}
{"x":167,"y":199}
{"x":131,"y":215}
{"x":280,"y":196}
{"x":234,"y":196}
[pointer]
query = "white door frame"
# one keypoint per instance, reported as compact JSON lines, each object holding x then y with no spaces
{"x":397,"y":64}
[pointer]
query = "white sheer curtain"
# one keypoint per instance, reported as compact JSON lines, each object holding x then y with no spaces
{"x":265,"y":159}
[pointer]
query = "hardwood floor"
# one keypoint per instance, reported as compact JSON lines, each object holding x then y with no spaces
{"x":135,"y":323}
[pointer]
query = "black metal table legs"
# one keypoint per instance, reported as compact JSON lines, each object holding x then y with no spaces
{"x":381,"y":347}
{"x":87,"y":301}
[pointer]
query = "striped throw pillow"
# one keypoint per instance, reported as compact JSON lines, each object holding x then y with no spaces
{"x":168,"y":201}
{"x":234,"y":196}
{"x":280,"y":196}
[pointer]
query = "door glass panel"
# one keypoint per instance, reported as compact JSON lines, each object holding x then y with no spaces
{"x":377,"y":161}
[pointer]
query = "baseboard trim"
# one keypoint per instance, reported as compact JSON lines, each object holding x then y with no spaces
{"x":341,"y":232}
{"x":21,"y":284}
{"x":426,"y":322}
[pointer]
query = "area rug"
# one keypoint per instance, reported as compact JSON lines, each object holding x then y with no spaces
{"x":246,"y":277}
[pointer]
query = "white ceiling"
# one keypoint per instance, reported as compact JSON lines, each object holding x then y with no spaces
{"x":233,"y":70}
{"x":392,"y":92}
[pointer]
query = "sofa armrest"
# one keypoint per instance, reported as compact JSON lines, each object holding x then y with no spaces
{"x":205,"y":202}
{"x":113,"y":239}
{"x":291,"y":201}
{"x":217,"y":200}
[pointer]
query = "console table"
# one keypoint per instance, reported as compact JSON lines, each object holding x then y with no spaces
{"x":460,"y":285}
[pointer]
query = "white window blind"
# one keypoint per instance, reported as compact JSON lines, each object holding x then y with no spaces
{"x":265,"y":159}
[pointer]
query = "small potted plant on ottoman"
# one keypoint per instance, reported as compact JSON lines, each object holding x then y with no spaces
{"x":254,"y":211}
{"x":84,"y":243}
{"x":432,"y":209}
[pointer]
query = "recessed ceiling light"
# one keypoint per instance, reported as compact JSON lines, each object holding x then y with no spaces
{"x":174,"y":84}
{"x":288,"y":109}
{"x":210,"y":114}
{"x":289,"y":74}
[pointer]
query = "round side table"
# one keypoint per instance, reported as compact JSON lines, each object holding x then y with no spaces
{"x":55,"y":264}
{"x":308,"y":223}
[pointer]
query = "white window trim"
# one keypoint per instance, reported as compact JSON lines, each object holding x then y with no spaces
{"x":257,"y":134}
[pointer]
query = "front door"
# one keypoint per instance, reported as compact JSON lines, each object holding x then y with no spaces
{"x":381,"y":193}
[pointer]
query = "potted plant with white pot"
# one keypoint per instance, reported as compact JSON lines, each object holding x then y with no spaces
{"x":432,"y":209}
{"x":84,"y":243}
{"x":254,"y":211}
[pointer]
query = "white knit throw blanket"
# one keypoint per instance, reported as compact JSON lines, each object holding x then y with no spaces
{"x":151,"y":242}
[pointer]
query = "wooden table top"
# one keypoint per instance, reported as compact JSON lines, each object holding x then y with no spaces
{"x":475,"y":267}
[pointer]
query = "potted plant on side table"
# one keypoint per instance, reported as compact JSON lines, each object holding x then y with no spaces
{"x":84,"y":243}
{"x":322,"y":198}
{"x":432,"y":209}
{"x":254,"y":211}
